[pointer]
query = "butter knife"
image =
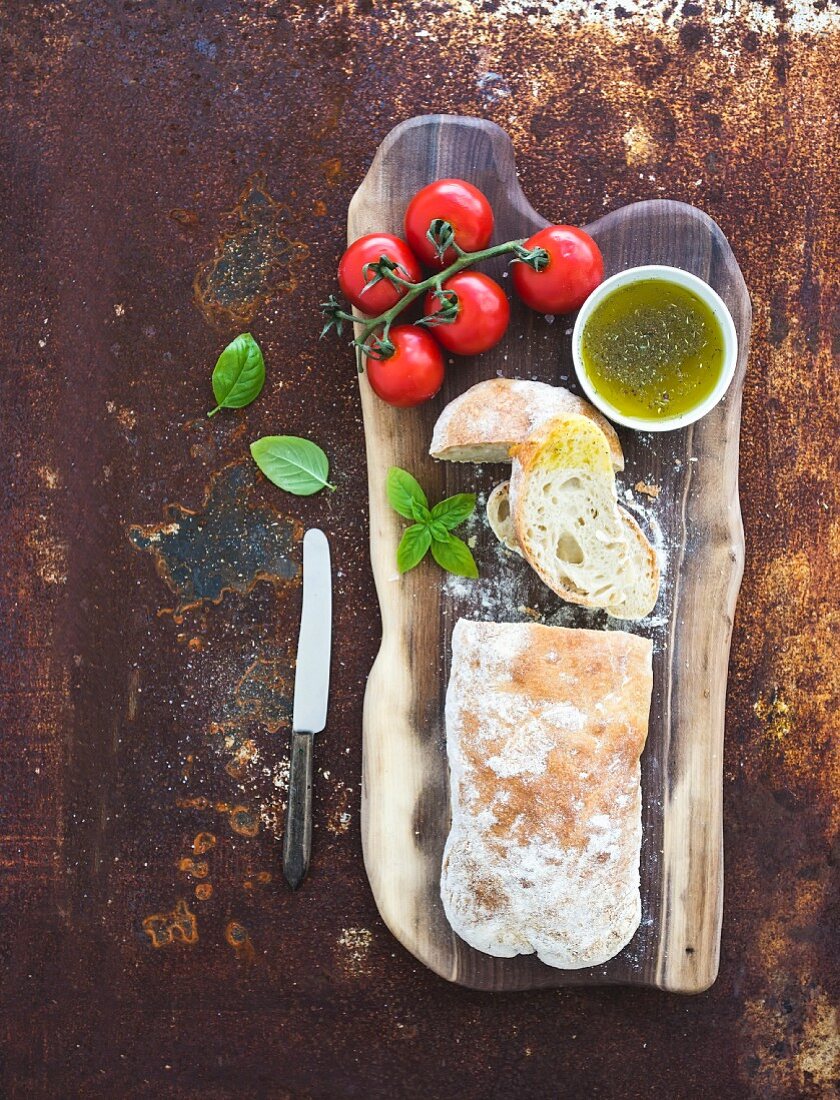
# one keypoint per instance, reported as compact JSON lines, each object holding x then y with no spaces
{"x":309,"y":716}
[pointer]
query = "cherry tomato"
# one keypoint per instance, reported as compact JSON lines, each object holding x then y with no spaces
{"x":575,"y":268}
{"x":368,"y":250}
{"x":483,"y":314}
{"x":413,"y":374}
{"x":460,"y":204}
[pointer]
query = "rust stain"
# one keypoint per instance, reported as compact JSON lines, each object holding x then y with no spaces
{"x":240,"y":940}
{"x":262,"y":878}
{"x":262,"y":694}
{"x":774,"y":712}
{"x":243,"y":821}
{"x":332,"y":170}
{"x":203,"y":843}
{"x":204,"y":891}
{"x":184,"y":217}
{"x":179,"y":926}
{"x":200,"y":802}
{"x":245,"y":754}
{"x":252,"y":262}
{"x":197,"y":868}
{"x":228,"y":545}
{"x":790,"y":1029}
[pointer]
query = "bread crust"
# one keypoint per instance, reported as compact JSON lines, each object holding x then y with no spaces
{"x":545,"y":727}
{"x":484,"y":422}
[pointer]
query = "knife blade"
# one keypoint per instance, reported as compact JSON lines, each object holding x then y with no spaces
{"x":309,"y":714}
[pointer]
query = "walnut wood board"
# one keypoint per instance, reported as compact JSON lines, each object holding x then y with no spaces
{"x":697,"y":521}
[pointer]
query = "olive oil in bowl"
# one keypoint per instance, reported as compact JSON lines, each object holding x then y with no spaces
{"x":653,"y":347}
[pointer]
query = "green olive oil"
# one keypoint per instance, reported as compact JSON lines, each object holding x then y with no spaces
{"x":653,"y":349}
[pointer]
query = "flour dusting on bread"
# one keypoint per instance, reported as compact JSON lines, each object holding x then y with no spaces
{"x":545,"y":727}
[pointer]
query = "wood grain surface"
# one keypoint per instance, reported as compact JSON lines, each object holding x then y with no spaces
{"x":696,"y":522}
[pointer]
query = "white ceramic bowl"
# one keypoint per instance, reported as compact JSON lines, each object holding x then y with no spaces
{"x":706,"y":294}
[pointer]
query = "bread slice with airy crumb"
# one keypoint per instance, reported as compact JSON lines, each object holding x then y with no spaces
{"x":568,"y":523}
{"x":501,"y":524}
{"x":489,"y":418}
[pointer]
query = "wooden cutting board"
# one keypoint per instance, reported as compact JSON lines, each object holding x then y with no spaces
{"x":695,"y":520}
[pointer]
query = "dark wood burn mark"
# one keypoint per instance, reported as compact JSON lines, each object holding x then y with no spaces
{"x":252,"y":262}
{"x":227,"y":546}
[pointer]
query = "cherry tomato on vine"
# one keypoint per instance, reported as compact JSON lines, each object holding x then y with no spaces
{"x":413,"y":374}
{"x":575,"y":267}
{"x":368,"y":250}
{"x":457,"y":202}
{"x":482,"y":315}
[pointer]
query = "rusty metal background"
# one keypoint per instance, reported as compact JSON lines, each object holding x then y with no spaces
{"x":174,"y":172}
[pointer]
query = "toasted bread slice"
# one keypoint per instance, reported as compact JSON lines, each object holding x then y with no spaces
{"x":501,"y":524}
{"x":489,"y":418}
{"x":568,"y":524}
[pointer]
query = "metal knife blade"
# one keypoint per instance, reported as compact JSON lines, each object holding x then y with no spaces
{"x":312,"y":674}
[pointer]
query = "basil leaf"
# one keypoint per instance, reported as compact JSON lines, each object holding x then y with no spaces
{"x":413,"y":545}
{"x":420,"y":512}
{"x":297,"y":465}
{"x":239,"y":374}
{"x":454,"y":510}
{"x":403,"y":491}
{"x":437,"y":530}
{"x":455,"y":557}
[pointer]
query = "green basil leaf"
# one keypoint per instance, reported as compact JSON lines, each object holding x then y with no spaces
{"x":420,"y":512}
{"x":454,"y":510}
{"x":403,"y":491}
{"x":297,"y":465}
{"x":239,"y":374}
{"x":413,"y":545}
{"x":455,"y":557}
{"x":437,"y":530}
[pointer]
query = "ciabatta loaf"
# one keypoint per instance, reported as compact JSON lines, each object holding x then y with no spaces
{"x":544,"y":730}
{"x":489,"y":418}
{"x":568,"y":525}
{"x":636,"y":604}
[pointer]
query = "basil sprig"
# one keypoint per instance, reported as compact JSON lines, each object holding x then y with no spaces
{"x":432,"y":527}
{"x":239,"y":374}
{"x":297,"y":465}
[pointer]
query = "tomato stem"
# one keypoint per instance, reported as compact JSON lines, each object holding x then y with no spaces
{"x":464,"y":260}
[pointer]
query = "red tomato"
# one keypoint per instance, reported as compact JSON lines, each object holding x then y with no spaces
{"x":456,"y":202}
{"x":483,"y":314}
{"x":367,"y":250}
{"x":413,"y":374}
{"x":575,"y":268}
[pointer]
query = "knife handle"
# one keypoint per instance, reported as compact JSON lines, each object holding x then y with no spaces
{"x":297,"y":841}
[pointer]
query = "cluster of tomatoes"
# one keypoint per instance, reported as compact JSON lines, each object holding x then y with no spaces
{"x":465,"y":311}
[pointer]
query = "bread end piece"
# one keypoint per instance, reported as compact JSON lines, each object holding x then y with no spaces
{"x":491,"y":417}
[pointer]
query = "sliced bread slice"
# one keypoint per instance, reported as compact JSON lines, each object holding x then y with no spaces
{"x":568,"y":524}
{"x":489,"y":418}
{"x":637,"y":604}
